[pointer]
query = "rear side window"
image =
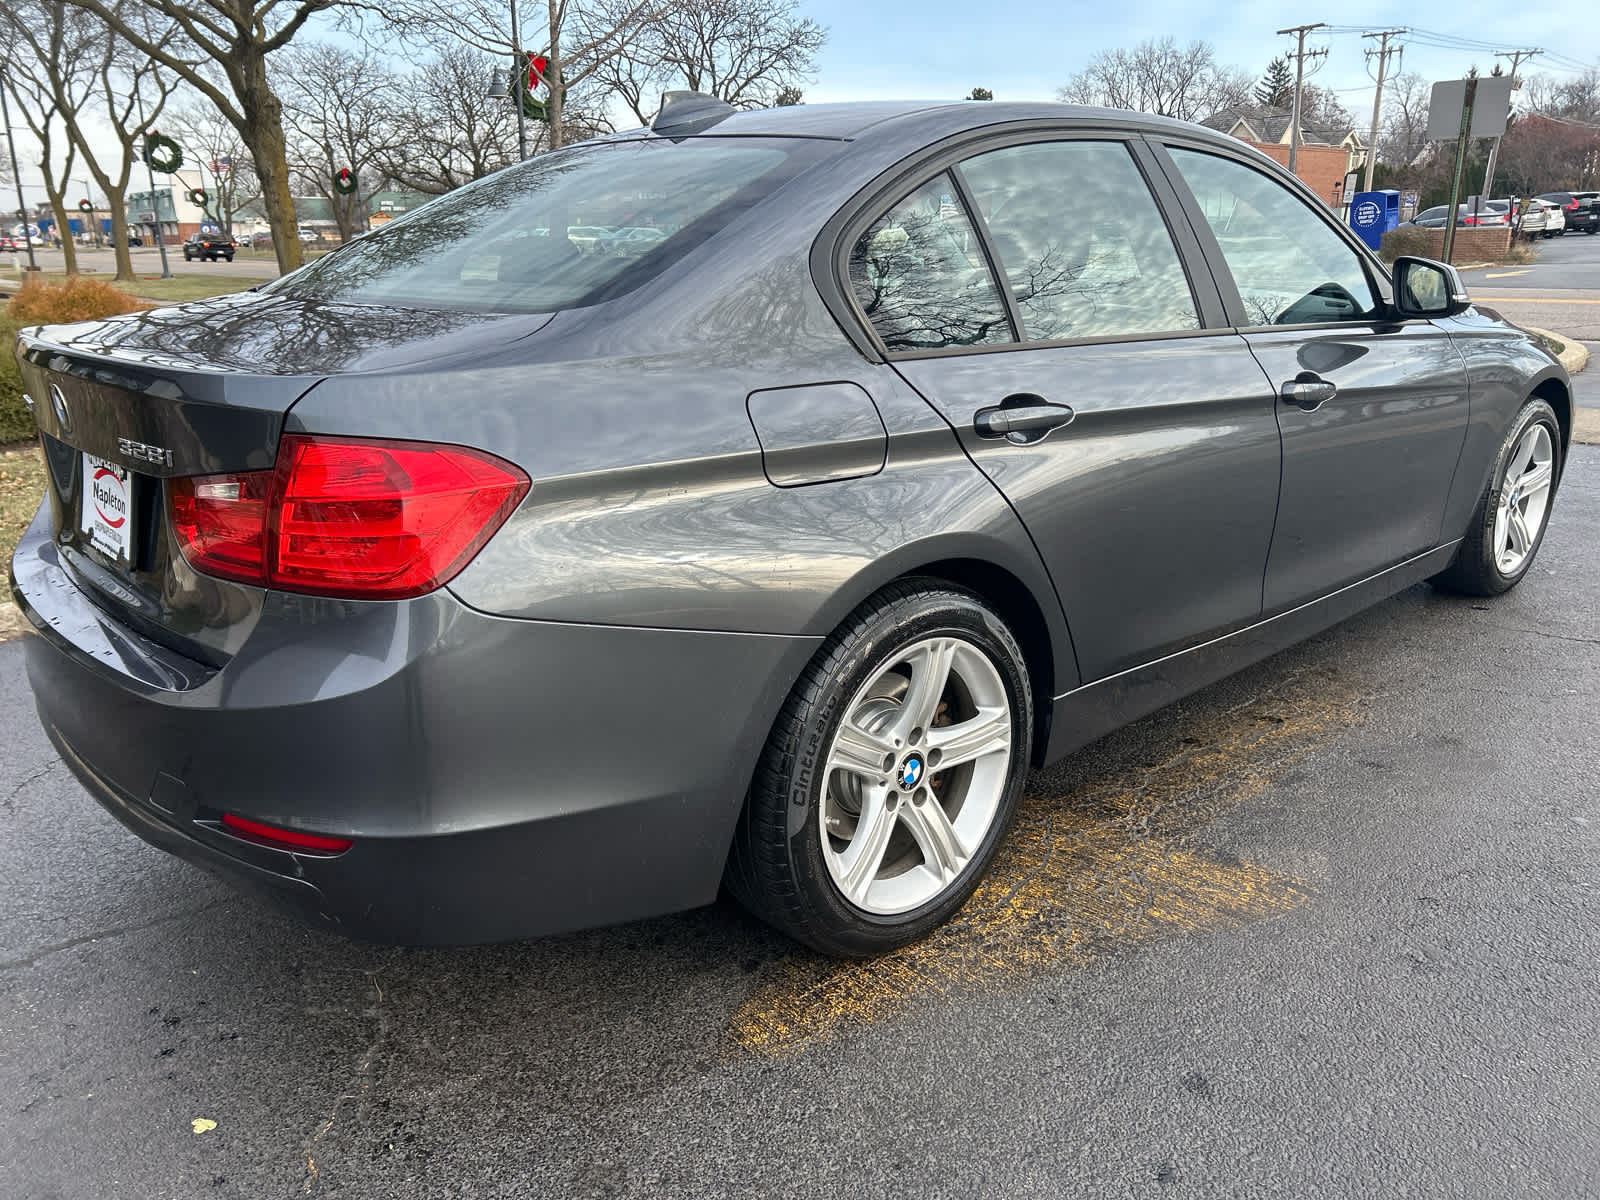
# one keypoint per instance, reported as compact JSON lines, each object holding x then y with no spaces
{"x":919,"y":274}
{"x":1290,"y":267}
{"x":1080,"y":241}
{"x":560,"y":230}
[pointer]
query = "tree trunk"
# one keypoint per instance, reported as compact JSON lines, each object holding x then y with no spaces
{"x":116,"y":198}
{"x":263,"y":133}
{"x":69,"y":249}
{"x":558,"y":89}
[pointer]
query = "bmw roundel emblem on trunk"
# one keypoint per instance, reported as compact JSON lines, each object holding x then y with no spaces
{"x":58,"y":401}
{"x":910,"y":773}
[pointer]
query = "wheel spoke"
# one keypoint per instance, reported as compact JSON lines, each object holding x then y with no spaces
{"x":930,"y":671}
{"x":941,"y":846}
{"x":987,"y":733}
{"x":1517,"y":526}
{"x":1535,"y":481}
{"x":861,"y":752}
{"x":862,"y":859}
{"x":1522,"y":456}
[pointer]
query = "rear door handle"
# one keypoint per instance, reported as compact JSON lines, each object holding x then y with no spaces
{"x":1307,"y":391}
{"x":1021,"y":419}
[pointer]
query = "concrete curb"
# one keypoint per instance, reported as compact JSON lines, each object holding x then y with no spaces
{"x":1576,"y":355}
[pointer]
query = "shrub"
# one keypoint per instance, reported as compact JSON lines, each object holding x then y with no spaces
{"x":15,"y":422}
{"x":1420,"y":243}
{"x":41,"y":303}
{"x":73,"y":299}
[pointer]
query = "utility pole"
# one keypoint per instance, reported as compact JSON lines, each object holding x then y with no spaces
{"x":1516,"y":56}
{"x":1382,"y":54}
{"x":1300,"y":56}
{"x":22,"y":205}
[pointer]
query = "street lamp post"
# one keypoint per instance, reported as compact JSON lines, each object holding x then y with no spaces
{"x":155,"y":207}
{"x":519,"y":72}
{"x":94,"y":220}
{"x":22,"y":205}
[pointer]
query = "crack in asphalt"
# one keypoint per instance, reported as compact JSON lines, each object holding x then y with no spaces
{"x":44,"y":952}
{"x":11,"y":796}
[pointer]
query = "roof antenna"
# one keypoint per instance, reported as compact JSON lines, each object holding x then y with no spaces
{"x":685,"y":113}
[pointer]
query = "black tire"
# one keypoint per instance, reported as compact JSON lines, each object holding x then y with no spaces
{"x":1475,"y":570}
{"x":776,"y":868}
{"x":187,"y":257}
{"x":228,"y":257}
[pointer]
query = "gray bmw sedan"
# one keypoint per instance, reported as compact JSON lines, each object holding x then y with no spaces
{"x":753,"y":498}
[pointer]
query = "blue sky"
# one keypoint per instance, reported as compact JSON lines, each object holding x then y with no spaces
{"x":1025,"y":49}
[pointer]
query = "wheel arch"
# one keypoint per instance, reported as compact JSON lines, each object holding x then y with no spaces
{"x":1557,"y":393}
{"x":1019,"y":591}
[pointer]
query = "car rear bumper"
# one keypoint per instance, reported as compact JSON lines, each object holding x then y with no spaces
{"x":498,"y":778}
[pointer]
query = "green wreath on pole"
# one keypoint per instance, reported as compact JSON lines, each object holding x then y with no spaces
{"x":345,"y":181}
{"x":198,"y":196}
{"x":162,"y":153}
{"x":85,"y":206}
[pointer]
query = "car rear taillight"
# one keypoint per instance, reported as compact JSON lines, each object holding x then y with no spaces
{"x":284,"y":839}
{"x":1573,"y":207}
{"x":369,"y":520}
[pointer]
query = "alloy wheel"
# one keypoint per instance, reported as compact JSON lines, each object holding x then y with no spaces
{"x":915,"y":775}
{"x":1524,"y":499}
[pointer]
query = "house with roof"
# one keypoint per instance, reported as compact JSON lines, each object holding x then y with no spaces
{"x":1328,"y":155}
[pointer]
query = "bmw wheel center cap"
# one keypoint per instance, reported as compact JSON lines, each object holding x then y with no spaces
{"x":910,"y":773}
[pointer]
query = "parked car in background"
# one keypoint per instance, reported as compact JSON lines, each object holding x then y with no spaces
{"x":8,"y":243}
{"x":208,"y":247}
{"x":1579,"y":210}
{"x":1489,"y":213}
{"x":309,"y":235}
{"x":588,"y":239}
{"x":448,"y":594}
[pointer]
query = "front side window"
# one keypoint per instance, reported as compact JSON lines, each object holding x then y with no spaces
{"x":919,"y":274}
{"x":559,"y":230}
{"x":1290,"y":267}
{"x":1080,"y":241}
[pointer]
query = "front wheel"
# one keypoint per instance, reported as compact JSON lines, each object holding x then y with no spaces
{"x":890,"y":776}
{"x":1508,"y":525}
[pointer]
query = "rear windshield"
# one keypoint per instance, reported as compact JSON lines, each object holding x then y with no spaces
{"x":558,"y":231}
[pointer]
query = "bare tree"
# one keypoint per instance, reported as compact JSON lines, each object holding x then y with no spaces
{"x":215,"y":144}
{"x":1575,"y":99}
{"x":1540,"y":153}
{"x":1405,"y":120}
{"x":49,"y":73}
{"x":1159,"y":76}
{"x":236,"y":37}
{"x":449,"y":132}
{"x":747,"y":52}
{"x":338,"y":106}
{"x":576,"y":38}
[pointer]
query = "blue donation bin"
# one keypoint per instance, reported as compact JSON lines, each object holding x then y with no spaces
{"x":1373,"y":214}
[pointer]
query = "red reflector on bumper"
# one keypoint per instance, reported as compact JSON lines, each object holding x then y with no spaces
{"x":288,"y":839}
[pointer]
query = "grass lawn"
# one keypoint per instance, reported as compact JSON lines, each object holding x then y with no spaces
{"x":21,"y":485}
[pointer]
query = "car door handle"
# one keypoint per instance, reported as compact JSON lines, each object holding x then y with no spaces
{"x":1021,"y":419}
{"x":1307,"y":391}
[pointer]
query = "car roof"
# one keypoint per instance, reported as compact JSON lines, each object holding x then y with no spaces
{"x":860,"y":120}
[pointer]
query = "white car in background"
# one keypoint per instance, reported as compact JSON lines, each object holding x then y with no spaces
{"x":1540,"y":218}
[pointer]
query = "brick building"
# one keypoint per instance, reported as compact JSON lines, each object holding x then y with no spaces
{"x":1328,"y":154}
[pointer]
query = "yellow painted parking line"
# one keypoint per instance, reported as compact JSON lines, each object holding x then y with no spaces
{"x":1095,"y":861}
{"x":1504,"y":274}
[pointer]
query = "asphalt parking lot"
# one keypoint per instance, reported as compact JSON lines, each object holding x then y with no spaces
{"x":1328,"y":929}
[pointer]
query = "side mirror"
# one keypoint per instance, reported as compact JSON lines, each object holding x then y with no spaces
{"x":1428,"y":289}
